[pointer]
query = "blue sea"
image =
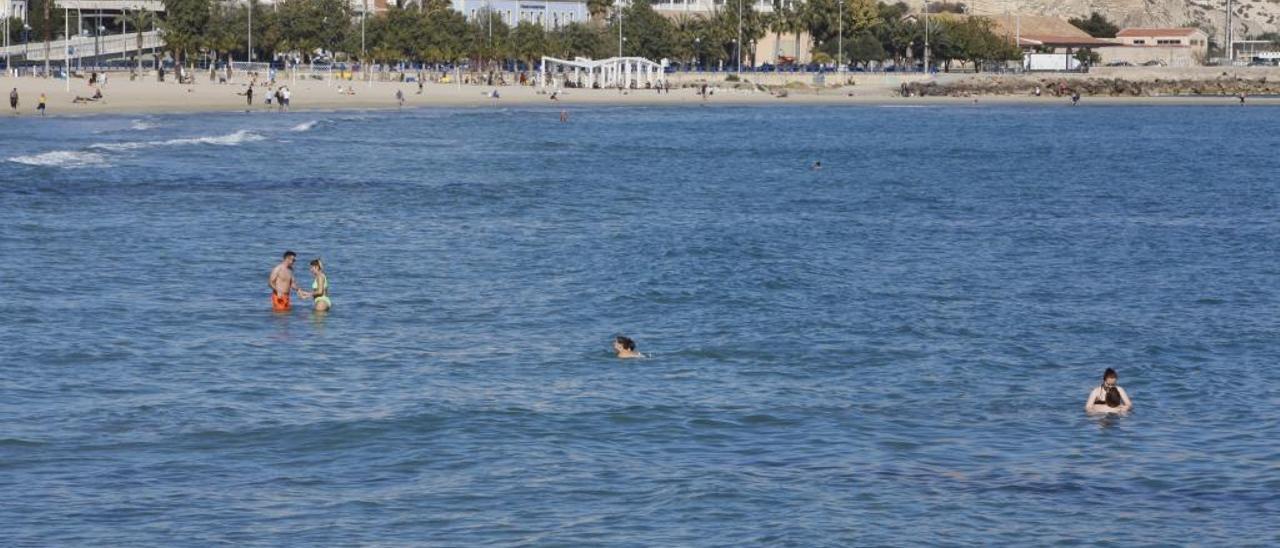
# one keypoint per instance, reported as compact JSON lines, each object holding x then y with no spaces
{"x":894,"y":350}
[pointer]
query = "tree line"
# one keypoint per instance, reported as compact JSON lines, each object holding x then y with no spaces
{"x":430,"y":31}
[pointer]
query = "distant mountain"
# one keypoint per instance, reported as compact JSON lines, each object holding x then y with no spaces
{"x":1252,"y":17}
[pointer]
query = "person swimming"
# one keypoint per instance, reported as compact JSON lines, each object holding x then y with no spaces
{"x":1108,"y":398}
{"x":817,"y":166}
{"x":281,"y":282}
{"x":319,"y":287}
{"x":625,"y":347}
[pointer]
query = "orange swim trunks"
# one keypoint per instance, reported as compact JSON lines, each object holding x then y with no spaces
{"x":279,"y":303}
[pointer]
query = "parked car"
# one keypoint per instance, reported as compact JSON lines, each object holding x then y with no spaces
{"x":1155,"y":63}
{"x":1119,"y":64}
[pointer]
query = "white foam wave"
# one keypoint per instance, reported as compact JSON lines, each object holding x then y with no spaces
{"x":140,"y":125}
{"x":239,"y":137}
{"x":305,"y":126}
{"x":62,"y":158}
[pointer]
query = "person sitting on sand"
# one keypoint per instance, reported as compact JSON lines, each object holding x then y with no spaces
{"x":1108,"y":398}
{"x":625,"y":347}
{"x":319,"y":287}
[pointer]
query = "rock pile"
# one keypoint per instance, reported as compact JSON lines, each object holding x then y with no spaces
{"x":1101,"y":87}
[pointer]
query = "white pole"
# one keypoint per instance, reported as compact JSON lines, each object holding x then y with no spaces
{"x":738,"y":46}
{"x":248,"y":54}
{"x":66,"y":47}
{"x":840,"y":44}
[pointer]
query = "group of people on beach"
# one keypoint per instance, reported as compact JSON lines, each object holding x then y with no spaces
{"x":281,"y":96}
{"x":13,"y":102}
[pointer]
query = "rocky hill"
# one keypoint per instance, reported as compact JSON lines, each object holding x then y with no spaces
{"x":1251,"y":16}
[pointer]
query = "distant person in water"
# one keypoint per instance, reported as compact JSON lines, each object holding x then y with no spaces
{"x":282,"y":283}
{"x":817,"y":166}
{"x":1108,"y":398}
{"x":319,"y":287}
{"x":1075,"y":98}
{"x":625,"y":347}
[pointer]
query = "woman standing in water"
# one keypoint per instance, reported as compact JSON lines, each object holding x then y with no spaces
{"x":1108,"y":398}
{"x":319,"y":287}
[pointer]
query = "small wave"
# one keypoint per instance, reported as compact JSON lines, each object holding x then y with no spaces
{"x":239,"y":137}
{"x":305,"y":126}
{"x":62,"y":158}
{"x":140,"y":125}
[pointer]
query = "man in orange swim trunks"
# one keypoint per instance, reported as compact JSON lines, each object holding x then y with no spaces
{"x":282,"y":282}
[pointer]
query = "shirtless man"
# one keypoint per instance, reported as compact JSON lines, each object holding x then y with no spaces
{"x":281,"y":282}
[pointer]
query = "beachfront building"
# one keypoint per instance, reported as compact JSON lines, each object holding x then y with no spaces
{"x":614,"y":72}
{"x":1176,"y":47}
{"x":550,"y":14}
{"x":1047,"y":43}
{"x":13,"y":8}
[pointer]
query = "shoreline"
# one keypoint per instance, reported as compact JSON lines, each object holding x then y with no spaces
{"x":149,"y":97}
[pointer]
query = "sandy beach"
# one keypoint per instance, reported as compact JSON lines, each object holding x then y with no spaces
{"x":122,"y":96}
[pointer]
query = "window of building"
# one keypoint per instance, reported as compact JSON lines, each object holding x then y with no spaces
{"x":1139,"y":42}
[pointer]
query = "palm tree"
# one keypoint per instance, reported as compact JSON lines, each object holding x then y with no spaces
{"x":139,"y":19}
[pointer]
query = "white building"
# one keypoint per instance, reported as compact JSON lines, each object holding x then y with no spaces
{"x":13,"y":8}
{"x":550,"y":14}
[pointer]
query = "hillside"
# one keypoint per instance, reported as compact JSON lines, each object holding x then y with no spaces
{"x":1251,"y":16}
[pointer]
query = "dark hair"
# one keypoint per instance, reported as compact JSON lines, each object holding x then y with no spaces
{"x":288,"y":254}
{"x":316,"y":263}
{"x":1109,"y":373}
{"x":626,"y":342}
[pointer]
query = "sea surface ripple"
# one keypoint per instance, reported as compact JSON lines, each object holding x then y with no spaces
{"x":893,"y":350}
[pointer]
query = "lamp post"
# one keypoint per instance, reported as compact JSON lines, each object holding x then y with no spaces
{"x":737,"y":47}
{"x":619,"y":32}
{"x":840,"y":42}
{"x":697,"y":49}
{"x":926,"y":36}
{"x":66,"y":48}
{"x":248,"y":52}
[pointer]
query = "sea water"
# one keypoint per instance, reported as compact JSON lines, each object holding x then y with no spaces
{"x":892,"y":350}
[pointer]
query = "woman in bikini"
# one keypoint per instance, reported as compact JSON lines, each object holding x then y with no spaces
{"x":1108,"y":398}
{"x":319,"y":287}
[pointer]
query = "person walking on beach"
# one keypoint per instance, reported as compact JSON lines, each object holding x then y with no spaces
{"x":400,"y":98}
{"x":13,"y":100}
{"x":282,"y":283}
{"x":248,"y":96}
{"x":1075,"y":98}
{"x":284,"y":96}
{"x":41,"y":104}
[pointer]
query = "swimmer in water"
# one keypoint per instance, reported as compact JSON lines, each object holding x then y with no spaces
{"x":281,"y":282}
{"x":625,"y":347}
{"x":1108,"y":398}
{"x":319,"y":287}
{"x":817,"y":166}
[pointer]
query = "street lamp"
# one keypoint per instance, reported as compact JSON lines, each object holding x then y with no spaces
{"x":697,"y":50}
{"x":737,"y":47}
{"x":840,"y":43}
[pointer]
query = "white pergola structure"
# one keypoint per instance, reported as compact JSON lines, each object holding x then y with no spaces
{"x":614,"y":72}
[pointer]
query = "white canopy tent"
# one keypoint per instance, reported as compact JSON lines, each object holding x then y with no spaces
{"x":614,"y":72}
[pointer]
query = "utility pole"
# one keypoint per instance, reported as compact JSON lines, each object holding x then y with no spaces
{"x":248,"y":54}
{"x":840,"y":43}
{"x":66,"y":47}
{"x":1231,"y":49}
{"x":738,"y":46}
{"x":926,"y":36}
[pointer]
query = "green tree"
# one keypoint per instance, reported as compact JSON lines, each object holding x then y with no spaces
{"x":1087,"y":56}
{"x":46,"y":21}
{"x":580,"y":39}
{"x":138,"y":21}
{"x":865,"y":49}
{"x":647,"y":34}
{"x":528,"y":42}
{"x":310,"y":26}
{"x":1097,"y":25}
{"x":599,"y":8}
{"x":184,"y":26}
